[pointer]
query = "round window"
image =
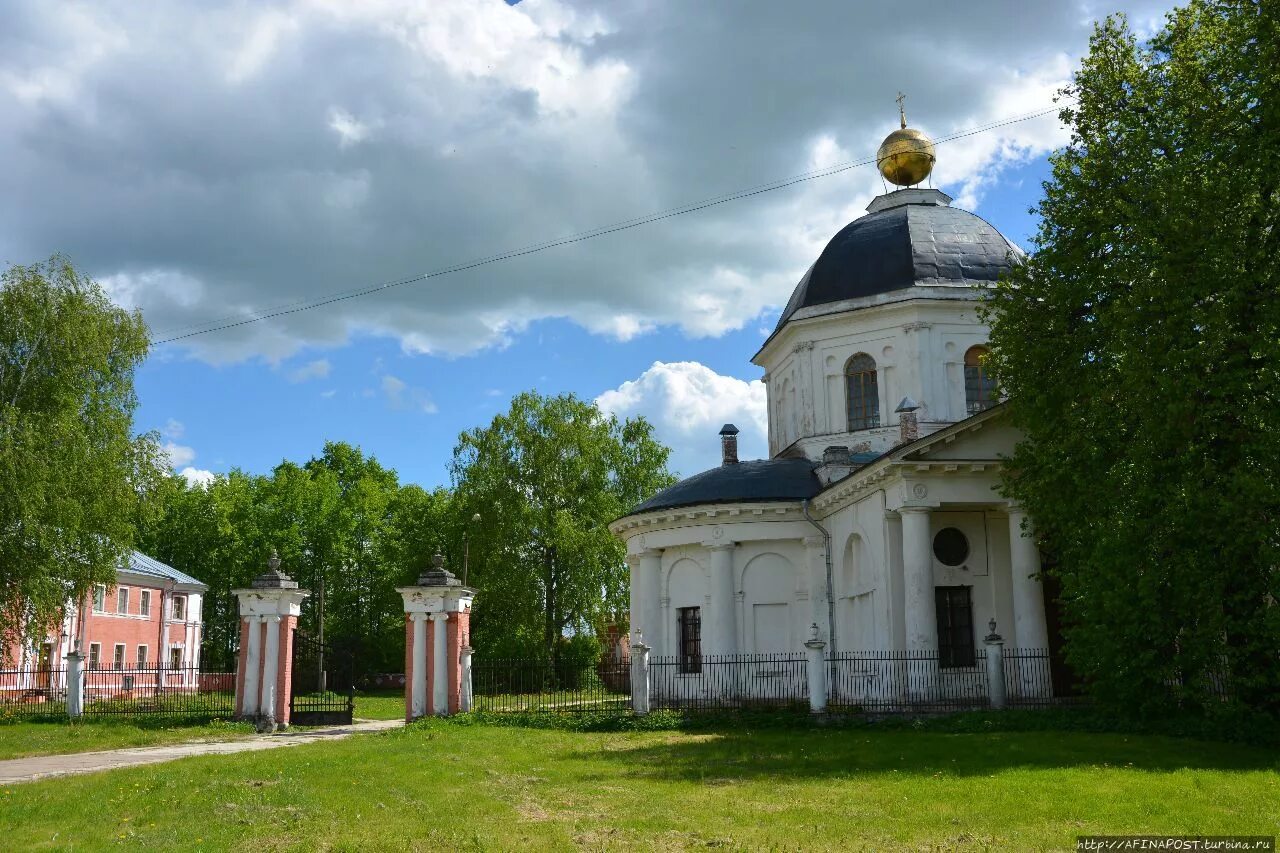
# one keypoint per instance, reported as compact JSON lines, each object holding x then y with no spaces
{"x":950,"y":547}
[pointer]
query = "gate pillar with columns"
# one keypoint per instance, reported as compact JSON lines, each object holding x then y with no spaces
{"x":269,"y":610}
{"x":437,"y":643}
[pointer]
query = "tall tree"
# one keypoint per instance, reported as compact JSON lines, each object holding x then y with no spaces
{"x":546,"y":478}
{"x":1139,"y":346}
{"x":72,"y":473}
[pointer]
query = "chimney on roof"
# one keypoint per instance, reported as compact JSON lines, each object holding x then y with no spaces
{"x":908,"y":426}
{"x":728,"y":445}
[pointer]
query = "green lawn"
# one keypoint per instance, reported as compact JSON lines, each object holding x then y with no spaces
{"x":443,"y":785}
{"x":380,"y":705}
{"x":18,"y":740}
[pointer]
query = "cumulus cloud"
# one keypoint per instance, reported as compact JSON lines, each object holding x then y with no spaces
{"x":179,"y":455}
{"x":197,"y":476}
{"x":317,"y":369}
{"x":400,"y":395}
{"x":173,"y":428}
{"x":688,"y":403}
{"x":209,"y":163}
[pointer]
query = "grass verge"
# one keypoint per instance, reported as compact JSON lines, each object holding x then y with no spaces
{"x":21,"y":740}
{"x":458,"y":785}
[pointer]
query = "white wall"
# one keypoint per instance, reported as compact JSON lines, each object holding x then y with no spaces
{"x":918,"y":347}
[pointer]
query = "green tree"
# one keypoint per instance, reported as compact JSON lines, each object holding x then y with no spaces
{"x":1140,"y":347}
{"x":73,"y":476}
{"x":546,"y":479}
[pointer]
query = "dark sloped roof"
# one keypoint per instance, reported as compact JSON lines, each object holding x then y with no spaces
{"x":759,"y":480}
{"x":910,"y":237}
{"x":141,"y":564}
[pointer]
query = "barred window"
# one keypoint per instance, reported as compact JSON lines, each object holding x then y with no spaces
{"x":979,"y":385}
{"x":95,"y":655}
{"x":690,"y":639}
{"x":117,"y":662}
{"x":955,"y":626}
{"x":862,"y":391}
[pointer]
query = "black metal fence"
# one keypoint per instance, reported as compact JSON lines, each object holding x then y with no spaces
{"x":1028,"y":679}
{"x":565,"y":686}
{"x":29,"y":694}
{"x":712,"y":682}
{"x":159,"y":691}
{"x":180,"y":692}
{"x":887,"y":682}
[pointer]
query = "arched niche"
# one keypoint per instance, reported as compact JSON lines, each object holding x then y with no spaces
{"x":768,"y":584}
{"x":857,"y":601}
{"x":686,"y":584}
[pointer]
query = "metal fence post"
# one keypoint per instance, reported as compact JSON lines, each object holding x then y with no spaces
{"x":75,"y":685}
{"x":995,"y":667}
{"x":817,"y":672}
{"x":466,"y":699}
{"x":639,"y":676}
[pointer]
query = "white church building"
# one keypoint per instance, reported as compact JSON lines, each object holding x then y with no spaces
{"x":879,"y":517}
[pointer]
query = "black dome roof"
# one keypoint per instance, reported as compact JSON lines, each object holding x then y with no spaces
{"x":909,"y":237}
{"x":759,"y":480}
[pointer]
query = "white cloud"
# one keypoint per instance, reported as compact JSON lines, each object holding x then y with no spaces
{"x":317,"y":369}
{"x":350,"y":130}
{"x":197,"y":476}
{"x":401,"y":395}
{"x":173,"y":428}
{"x":687,"y":403}
{"x":320,"y":146}
{"x":179,"y":455}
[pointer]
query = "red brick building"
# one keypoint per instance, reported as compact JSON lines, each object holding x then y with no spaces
{"x":149,"y":619}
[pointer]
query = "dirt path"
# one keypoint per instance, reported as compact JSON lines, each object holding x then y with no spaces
{"x":47,"y":766}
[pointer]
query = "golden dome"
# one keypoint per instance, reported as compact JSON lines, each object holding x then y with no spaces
{"x":906,"y":156}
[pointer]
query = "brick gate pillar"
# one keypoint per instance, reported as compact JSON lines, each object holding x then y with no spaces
{"x":437,"y":628}
{"x":269,"y":611}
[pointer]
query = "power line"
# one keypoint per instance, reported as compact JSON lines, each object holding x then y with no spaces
{"x":624,"y":225}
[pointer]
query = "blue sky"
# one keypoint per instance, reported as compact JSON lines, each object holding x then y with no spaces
{"x":251,"y":416}
{"x":207,"y":160}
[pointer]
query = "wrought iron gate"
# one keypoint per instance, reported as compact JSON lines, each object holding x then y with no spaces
{"x":323,"y":683}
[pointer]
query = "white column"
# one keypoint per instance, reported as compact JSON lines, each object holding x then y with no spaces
{"x":270,"y":667}
{"x":466,"y":699}
{"x":722,"y":635}
{"x":75,"y":685}
{"x":252,"y":663}
{"x":440,"y":674}
{"x":1029,"y":630}
{"x":917,"y":570}
{"x":418,"y":688}
{"x":650,"y":581}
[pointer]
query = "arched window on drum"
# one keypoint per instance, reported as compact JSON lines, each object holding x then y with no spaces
{"x":862,"y":391}
{"x":979,"y":385}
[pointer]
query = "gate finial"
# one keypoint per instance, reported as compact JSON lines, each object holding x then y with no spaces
{"x":273,"y":578}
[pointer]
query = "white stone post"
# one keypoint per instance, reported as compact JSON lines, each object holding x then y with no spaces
{"x":270,"y":669}
{"x":418,"y":677}
{"x":439,"y":665}
{"x":253,"y":666}
{"x":921,"y":612}
{"x":467,"y":701}
{"x":639,"y":676}
{"x":995,"y":668}
{"x":651,"y":581}
{"x":817,"y":670}
{"x":75,"y":684}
